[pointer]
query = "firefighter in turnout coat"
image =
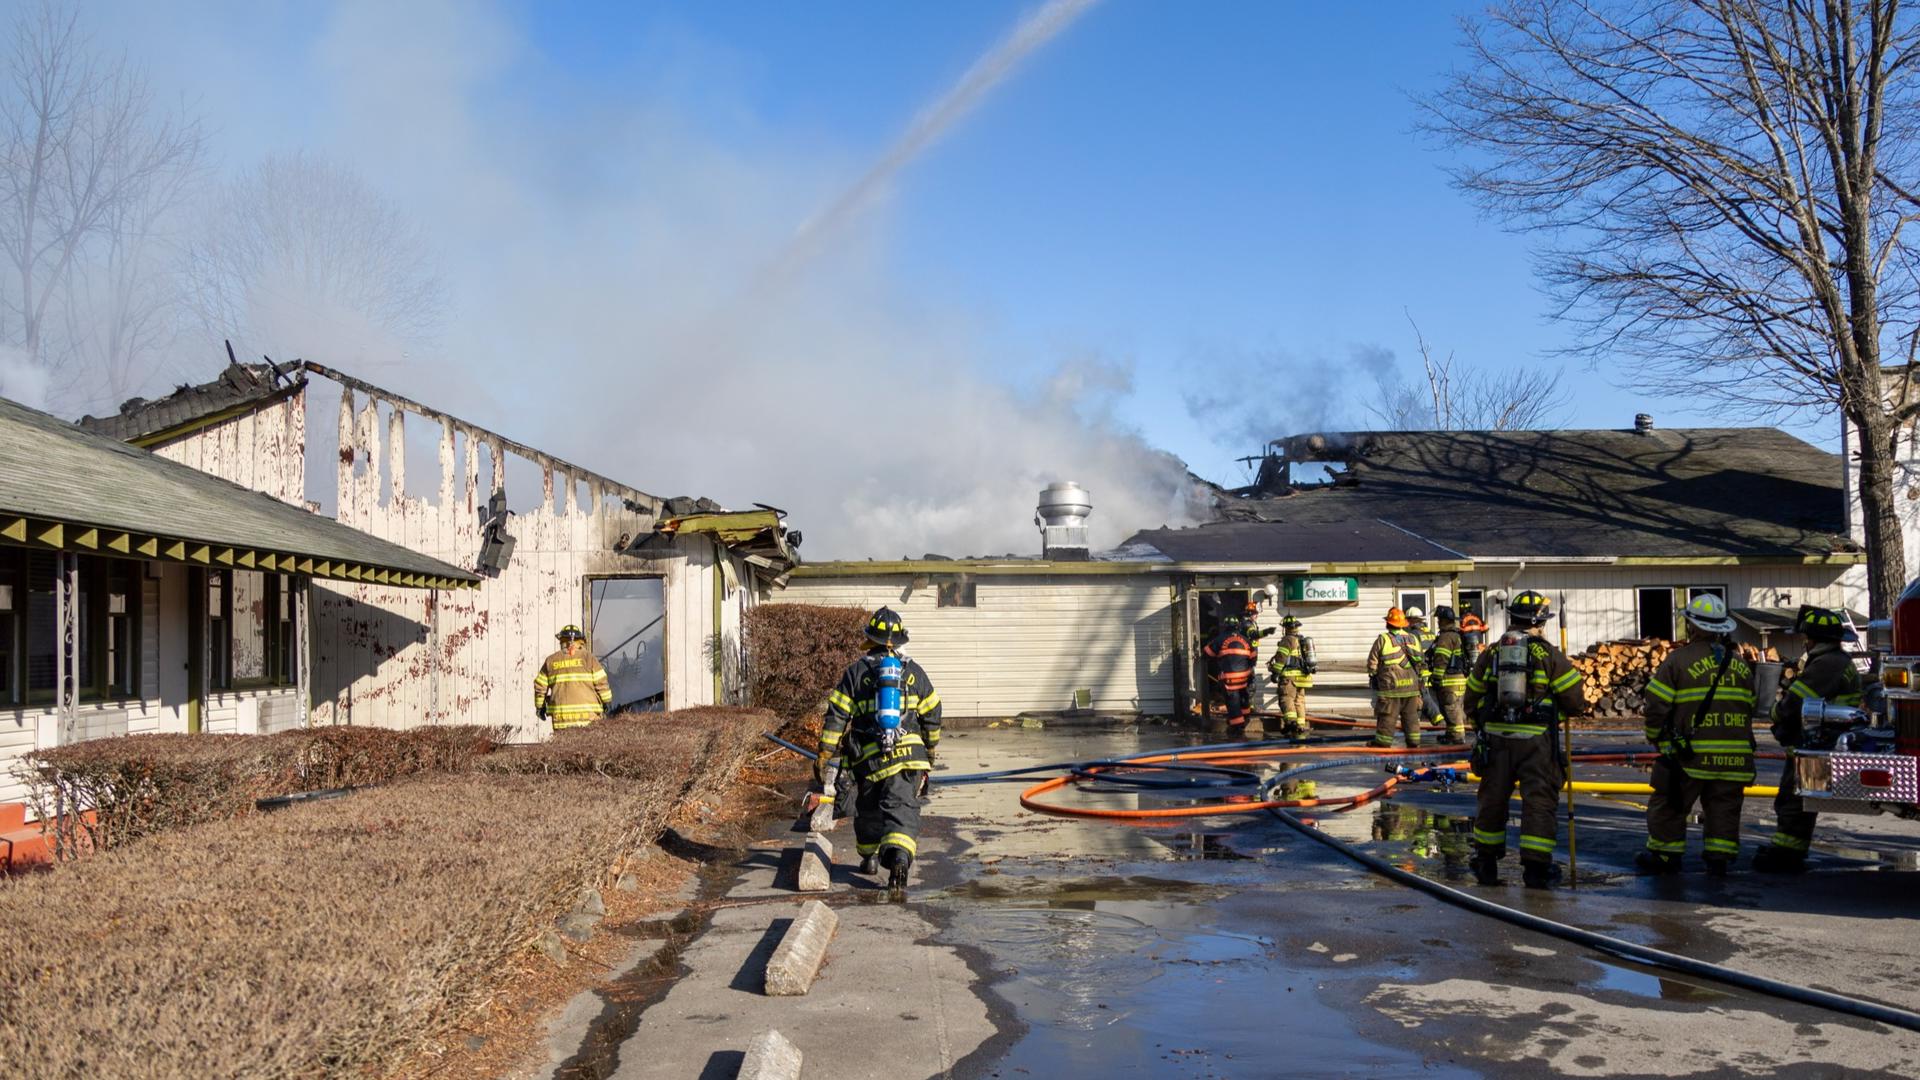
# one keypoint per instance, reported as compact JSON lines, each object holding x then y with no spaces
{"x":1447,"y":667}
{"x":1395,"y":670}
{"x":1515,"y":728}
{"x":882,"y":725}
{"x":1230,"y":659}
{"x":1699,"y":714}
{"x":1827,"y":674}
{"x":1292,"y":678}
{"x":571,"y":687}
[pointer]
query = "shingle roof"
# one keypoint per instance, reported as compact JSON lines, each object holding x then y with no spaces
{"x":1358,"y":540}
{"x":51,"y":469}
{"x":239,"y":385}
{"x":1687,"y":492}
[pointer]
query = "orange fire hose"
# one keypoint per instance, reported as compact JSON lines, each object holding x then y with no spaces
{"x":1030,"y":797}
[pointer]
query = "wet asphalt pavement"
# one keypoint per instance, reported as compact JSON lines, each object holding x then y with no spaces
{"x":1235,"y":947}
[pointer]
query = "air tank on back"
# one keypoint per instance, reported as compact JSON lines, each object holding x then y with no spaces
{"x":1062,"y":518}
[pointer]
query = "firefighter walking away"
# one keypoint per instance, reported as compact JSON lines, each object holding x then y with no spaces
{"x":571,"y":687}
{"x":1828,"y":677}
{"x":1519,"y":693}
{"x":882,"y":725}
{"x":1396,"y":671}
{"x":1230,"y":666}
{"x":1699,"y":715}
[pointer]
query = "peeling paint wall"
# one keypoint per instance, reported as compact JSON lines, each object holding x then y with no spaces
{"x":395,"y":657}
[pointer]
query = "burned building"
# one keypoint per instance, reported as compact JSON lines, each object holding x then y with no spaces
{"x":659,"y":584}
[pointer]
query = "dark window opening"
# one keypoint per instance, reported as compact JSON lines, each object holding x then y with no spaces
{"x":956,"y":594}
{"x":106,"y":616}
{"x":1656,"y":613}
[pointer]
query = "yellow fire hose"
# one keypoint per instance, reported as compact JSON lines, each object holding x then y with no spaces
{"x":1608,"y":787}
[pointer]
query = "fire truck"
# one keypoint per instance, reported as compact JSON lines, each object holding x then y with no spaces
{"x":1867,"y":760}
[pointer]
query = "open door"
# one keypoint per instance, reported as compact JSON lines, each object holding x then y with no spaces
{"x":627,"y":630}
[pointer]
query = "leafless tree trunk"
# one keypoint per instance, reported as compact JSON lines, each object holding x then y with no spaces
{"x":83,"y":156}
{"x":302,"y":251}
{"x":1722,"y":190}
{"x":1469,"y":399}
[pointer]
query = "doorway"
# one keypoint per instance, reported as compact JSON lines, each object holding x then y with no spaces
{"x":627,"y":630}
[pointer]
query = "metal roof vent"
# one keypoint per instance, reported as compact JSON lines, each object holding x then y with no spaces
{"x":1643,"y":423}
{"x":1062,"y":517}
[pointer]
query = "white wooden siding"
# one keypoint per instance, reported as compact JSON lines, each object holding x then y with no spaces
{"x":1602,"y":603}
{"x":1029,"y":642}
{"x":399,"y":658}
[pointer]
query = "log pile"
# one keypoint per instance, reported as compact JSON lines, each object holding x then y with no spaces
{"x":1616,"y":673}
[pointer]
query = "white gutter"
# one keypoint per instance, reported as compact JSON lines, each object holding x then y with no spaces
{"x":1546,"y":560}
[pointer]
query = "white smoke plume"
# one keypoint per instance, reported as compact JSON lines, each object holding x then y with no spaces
{"x":22,"y":380}
{"x":610,"y":299}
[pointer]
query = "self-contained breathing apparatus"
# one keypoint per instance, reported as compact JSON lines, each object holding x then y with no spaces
{"x":1510,"y":700}
{"x":889,"y":700}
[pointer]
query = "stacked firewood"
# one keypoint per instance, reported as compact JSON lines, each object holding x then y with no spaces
{"x":1616,"y":673}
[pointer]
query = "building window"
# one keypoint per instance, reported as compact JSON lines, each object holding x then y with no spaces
{"x":247,"y":611}
{"x":219,"y":632}
{"x":1411,"y":600}
{"x":107,"y":613}
{"x":956,"y":594}
{"x":280,"y":592}
{"x":9,"y":635}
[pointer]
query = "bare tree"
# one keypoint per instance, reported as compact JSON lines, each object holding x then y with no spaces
{"x":86,"y":167}
{"x":302,"y":238}
{"x":1722,"y":189}
{"x":1468,"y":399}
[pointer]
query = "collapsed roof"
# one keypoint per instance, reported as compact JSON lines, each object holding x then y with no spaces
{"x":1686,"y":493}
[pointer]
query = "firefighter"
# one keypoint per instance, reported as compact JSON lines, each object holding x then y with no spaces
{"x":1395,"y":670}
{"x":1417,"y":625}
{"x":1292,"y":673}
{"x":1518,"y":695}
{"x":1827,"y":674}
{"x":1473,"y":637}
{"x":1700,"y":715}
{"x":1230,"y":658}
{"x":571,"y":687}
{"x":1447,"y":667}
{"x":883,"y":724}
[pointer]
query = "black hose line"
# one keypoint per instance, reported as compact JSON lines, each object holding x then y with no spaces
{"x":1805,"y":995}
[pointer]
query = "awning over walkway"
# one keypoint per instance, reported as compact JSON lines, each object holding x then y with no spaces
{"x":62,"y":488}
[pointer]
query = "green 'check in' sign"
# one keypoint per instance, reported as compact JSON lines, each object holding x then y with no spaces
{"x":1323,"y":590}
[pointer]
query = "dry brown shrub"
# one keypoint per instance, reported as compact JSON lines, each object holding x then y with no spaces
{"x":700,"y":746}
{"x":324,"y":940}
{"x":796,"y":652}
{"x":138,"y":785}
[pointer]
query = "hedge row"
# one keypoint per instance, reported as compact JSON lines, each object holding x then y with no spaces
{"x":796,"y":652}
{"x":335,"y":938}
{"x":139,"y":785}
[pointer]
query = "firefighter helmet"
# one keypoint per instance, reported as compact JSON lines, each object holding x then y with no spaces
{"x":1415,"y":614}
{"x":886,"y":629}
{"x":1289,"y":619}
{"x":1472,"y":624}
{"x":1443,"y":613}
{"x":1823,"y":624}
{"x":1530,"y":608}
{"x":1708,"y":612}
{"x":1396,"y":618}
{"x":570,"y":632}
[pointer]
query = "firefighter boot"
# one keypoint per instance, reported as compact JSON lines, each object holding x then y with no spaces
{"x":870,"y":864}
{"x":1539,"y":875}
{"x":1486,"y":868}
{"x":1717,"y":867}
{"x":1654,"y":862}
{"x":1779,"y":860}
{"x":1255,"y":731}
{"x":897,"y":862}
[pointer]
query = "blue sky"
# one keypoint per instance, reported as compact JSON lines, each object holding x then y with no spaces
{"x":1222,"y":196}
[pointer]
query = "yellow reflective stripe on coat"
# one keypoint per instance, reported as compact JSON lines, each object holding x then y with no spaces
{"x":840,"y":701}
{"x":1567,"y":682}
{"x":1660,"y":690}
{"x":927,"y":704}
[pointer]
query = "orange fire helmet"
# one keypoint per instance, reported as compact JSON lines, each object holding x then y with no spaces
{"x":1396,"y":618}
{"x":1472,"y":624}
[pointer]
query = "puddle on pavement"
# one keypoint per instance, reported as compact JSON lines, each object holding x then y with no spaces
{"x":1154,"y":987}
{"x":1201,"y":847}
{"x":1646,"y":983}
{"x":1082,"y":890}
